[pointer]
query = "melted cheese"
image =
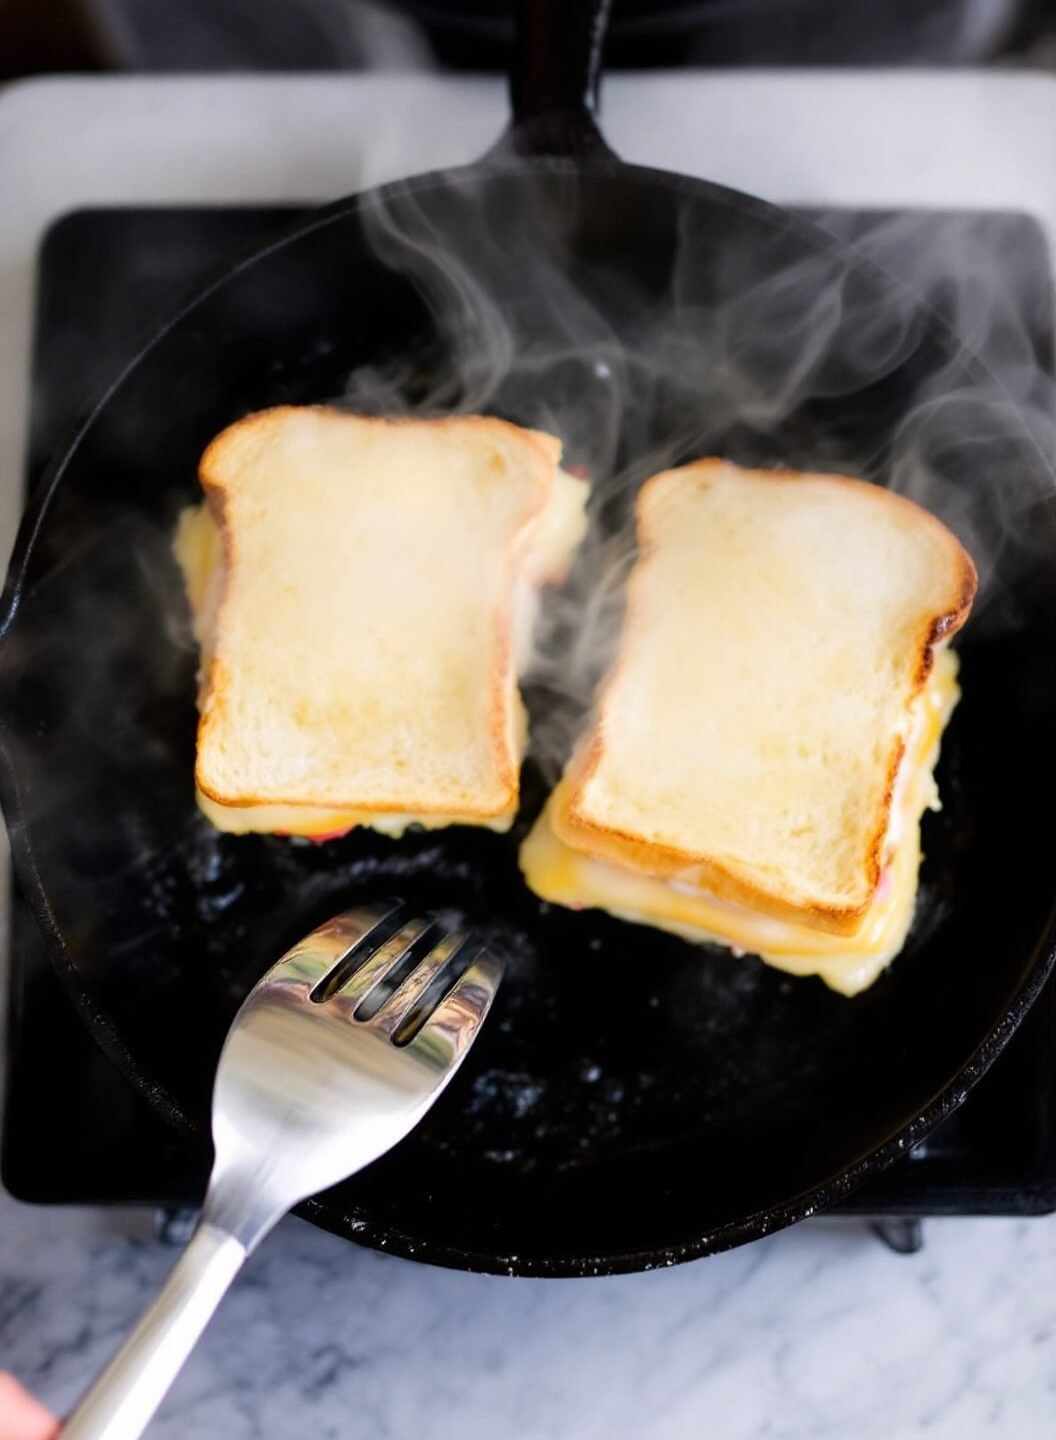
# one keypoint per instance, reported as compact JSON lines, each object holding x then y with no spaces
{"x":198,"y":546}
{"x":558,"y":873}
{"x":320,"y":823}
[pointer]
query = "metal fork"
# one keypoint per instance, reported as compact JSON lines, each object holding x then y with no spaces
{"x":316,"y":1080}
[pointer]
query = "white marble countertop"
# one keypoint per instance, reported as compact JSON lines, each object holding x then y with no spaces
{"x":815,"y":1334}
{"x":819,"y":1333}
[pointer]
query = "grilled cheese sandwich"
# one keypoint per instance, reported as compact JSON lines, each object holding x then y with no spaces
{"x":765,"y":744}
{"x":363,"y":594}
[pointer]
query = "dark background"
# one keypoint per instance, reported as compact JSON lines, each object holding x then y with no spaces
{"x":219,"y":35}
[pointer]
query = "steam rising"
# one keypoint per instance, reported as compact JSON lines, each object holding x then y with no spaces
{"x":644,"y":338}
{"x":764,"y":353}
{"x":685,"y":346}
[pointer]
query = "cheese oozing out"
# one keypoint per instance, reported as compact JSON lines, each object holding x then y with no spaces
{"x":549,"y":547}
{"x":559,"y":873}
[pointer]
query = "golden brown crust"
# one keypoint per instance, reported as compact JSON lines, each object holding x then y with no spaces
{"x":701,"y":872}
{"x":546,"y":454}
{"x":365,"y":807}
{"x":874,"y":855}
{"x":704,"y":871}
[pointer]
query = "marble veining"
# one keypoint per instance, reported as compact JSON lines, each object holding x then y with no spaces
{"x":818,"y":1333}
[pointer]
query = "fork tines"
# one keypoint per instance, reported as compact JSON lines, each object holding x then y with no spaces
{"x":400,"y":970}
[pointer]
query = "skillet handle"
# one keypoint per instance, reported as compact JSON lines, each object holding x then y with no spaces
{"x":555,"y":77}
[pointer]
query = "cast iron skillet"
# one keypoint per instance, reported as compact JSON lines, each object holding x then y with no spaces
{"x":636,"y":1100}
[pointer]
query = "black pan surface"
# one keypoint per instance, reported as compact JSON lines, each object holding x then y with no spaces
{"x":635,"y":1100}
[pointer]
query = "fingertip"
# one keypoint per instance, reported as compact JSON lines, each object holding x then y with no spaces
{"x":22,"y":1416}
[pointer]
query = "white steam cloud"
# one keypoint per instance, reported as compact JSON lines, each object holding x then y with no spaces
{"x":765,"y":352}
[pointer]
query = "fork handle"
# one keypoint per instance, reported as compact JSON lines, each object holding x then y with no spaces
{"x":121,"y":1402}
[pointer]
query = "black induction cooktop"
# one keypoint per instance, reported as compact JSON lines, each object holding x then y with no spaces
{"x":74,"y":1131}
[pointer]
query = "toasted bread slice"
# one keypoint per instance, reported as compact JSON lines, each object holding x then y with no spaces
{"x":779,"y":628}
{"x":847,"y":963}
{"x":360,"y":651}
